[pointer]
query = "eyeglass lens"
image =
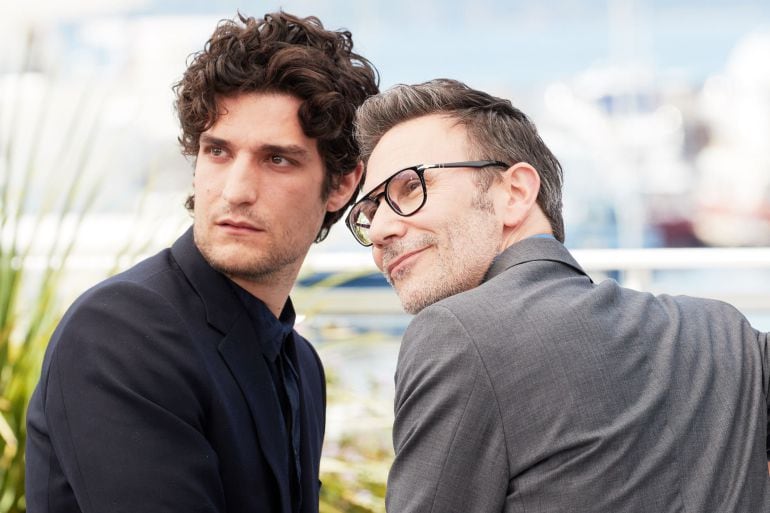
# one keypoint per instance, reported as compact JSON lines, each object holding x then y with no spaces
{"x":404,"y":192}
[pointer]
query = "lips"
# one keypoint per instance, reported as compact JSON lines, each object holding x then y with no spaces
{"x":237,"y":224}
{"x":394,"y":264}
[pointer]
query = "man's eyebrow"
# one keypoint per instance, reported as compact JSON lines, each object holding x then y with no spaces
{"x":210,"y":139}
{"x":374,"y":191}
{"x":292,"y":150}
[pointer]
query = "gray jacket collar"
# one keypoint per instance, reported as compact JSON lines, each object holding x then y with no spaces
{"x":529,"y":250}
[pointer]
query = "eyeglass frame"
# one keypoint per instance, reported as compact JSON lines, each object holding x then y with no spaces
{"x":420,"y":172}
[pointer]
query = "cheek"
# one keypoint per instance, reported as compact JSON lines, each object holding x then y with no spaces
{"x":204,"y":192}
{"x":196,"y":187}
{"x":198,"y":181}
{"x":204,"y":184}
{"x":200,"y":191}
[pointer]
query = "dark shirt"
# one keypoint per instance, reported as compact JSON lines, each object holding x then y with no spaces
{"x":276,"y":335}
{"x":274,"y":331}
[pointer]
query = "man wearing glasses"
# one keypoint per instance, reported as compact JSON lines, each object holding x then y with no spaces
{"x":521,"y":384}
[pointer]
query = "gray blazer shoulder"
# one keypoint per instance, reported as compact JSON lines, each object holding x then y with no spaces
{"x":540,"y":390}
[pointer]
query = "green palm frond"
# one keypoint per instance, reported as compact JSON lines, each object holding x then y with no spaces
{"x":30,"y":269}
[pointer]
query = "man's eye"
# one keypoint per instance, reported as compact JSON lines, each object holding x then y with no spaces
{"x":278,"y":160}
{"x":214,"y":151}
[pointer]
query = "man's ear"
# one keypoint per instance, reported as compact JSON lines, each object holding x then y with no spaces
{"x":521,"y":185}
{"x":346,"y":186}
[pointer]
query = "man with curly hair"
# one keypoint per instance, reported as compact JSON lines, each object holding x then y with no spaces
{"x":180,"y":384}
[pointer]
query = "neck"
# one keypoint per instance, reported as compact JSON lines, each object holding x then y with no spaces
{"x":532,"y":225}
{"x":273,"y":289}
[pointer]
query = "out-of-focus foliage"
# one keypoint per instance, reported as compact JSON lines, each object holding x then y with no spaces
{"x":31,"y":193}
{"x":53,"y":161}
{"x":357,"y":450}
{"x":359,"y":363}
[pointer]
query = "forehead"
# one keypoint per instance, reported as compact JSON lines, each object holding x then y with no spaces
{"x":425,"y":140}
{"x":260,"y":118}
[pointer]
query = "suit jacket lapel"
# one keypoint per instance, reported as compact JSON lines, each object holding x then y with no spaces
{"x":241,"y":352}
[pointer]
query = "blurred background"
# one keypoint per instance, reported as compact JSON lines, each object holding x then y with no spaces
{"x":658,"y":110}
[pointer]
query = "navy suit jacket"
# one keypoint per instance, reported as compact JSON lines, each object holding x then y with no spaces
{"x":155,"y":397}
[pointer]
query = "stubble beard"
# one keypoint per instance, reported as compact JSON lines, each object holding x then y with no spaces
{"x":266,"y":264}
{"x":264,"y":270}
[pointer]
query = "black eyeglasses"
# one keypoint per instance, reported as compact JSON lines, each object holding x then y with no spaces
{"x":405,"y":193}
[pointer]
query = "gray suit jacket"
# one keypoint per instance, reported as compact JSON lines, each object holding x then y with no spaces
{"x":540,"y":391}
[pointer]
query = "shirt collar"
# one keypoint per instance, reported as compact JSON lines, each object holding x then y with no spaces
{"x":271,"y":331}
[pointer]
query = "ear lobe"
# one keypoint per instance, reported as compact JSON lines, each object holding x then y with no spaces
{"x":346,"y":186}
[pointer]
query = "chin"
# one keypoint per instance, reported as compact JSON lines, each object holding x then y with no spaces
{"x":413,"y":302}
{"x":416,"y":299}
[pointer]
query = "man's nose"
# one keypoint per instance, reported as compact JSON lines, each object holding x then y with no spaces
{"x":386,"y":225}
{"x":241,"y":183}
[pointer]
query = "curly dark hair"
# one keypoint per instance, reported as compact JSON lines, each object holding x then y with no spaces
{"x":282,"y":53}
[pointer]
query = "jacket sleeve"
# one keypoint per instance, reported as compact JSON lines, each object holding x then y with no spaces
{"x":764,"y":344}
{"x":448,"y":436}
{"x":123,"y":403}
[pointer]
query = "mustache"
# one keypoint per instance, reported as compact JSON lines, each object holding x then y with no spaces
{"x":399,"y":247}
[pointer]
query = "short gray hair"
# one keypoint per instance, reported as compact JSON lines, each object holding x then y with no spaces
{"x":496,"y":130}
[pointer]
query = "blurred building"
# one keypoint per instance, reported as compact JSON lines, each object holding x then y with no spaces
{"x":663,"y":143}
